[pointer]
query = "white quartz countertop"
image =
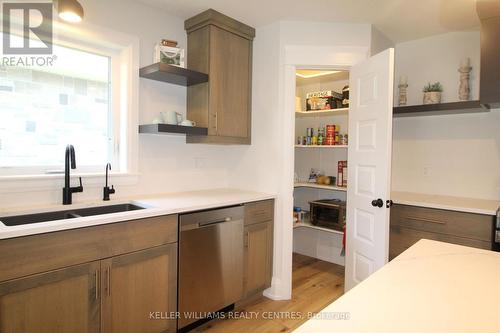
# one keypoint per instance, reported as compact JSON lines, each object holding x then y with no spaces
{"x":162,"y":204}
{"x":431,"y":287}
{"x":468,"y":205}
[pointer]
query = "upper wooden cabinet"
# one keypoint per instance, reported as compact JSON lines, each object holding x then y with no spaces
{"x":221,"y":47}
{"x":489,"y":14}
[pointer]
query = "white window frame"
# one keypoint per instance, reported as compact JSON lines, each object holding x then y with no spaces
{"x":124,"y":53}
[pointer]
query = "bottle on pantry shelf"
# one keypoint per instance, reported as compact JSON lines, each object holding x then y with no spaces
{"x":321,"y":135}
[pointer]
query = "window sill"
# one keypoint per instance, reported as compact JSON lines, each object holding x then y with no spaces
{"x":31,"y":183}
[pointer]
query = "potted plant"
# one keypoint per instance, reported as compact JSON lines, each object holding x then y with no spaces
{"x":432,"y":93}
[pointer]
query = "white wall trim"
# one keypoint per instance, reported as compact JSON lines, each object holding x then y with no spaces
{"x":293,"y":57}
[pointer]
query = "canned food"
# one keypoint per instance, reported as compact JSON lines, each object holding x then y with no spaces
{"x":330,"y":130}
{"x":314,"y":140}
{"x":310,"y":132}
{"x":329,"y":141}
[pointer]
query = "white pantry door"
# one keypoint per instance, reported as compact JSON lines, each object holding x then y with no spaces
{"x":369,"y":166}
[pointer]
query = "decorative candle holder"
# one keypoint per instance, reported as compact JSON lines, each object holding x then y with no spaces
{"x":402,"y":93}
{"x":464,"y":88}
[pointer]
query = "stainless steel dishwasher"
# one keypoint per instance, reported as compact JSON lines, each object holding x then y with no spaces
{"x":210,"y":262}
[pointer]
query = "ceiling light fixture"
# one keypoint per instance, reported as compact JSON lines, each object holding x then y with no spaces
{"x":309,"y":74}
{"x":70,"y":10}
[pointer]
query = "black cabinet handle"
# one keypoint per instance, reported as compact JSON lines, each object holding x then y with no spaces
{"x":378,"y":203}
{"x":388,"y":203}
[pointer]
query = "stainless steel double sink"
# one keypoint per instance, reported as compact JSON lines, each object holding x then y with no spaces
{"x":16,"y":220}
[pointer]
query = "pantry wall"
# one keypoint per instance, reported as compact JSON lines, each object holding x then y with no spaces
{"x":318,"y":151}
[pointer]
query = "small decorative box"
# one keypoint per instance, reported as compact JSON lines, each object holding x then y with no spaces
{"x":169,"y":55}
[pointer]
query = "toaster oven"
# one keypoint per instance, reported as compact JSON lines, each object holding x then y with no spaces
{"x":328,"y":213}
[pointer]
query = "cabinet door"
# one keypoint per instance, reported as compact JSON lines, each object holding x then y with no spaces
{"x":61,"y":301}
{"x":139,"y":290}
{"x":230,"y":77}
{"x":258,"y":257}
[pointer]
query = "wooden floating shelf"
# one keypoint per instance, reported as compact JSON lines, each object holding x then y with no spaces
{"x":322,"y":187}
{"x":172,"y":74}
{"x":322,"y":113}
{"x":439,"y":109}
{"x":172,"y":129}
{"x":321,"y":147}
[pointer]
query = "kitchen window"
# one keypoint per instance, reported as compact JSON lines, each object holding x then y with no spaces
{"x":89,"y":98}
{"x":44,"y":108}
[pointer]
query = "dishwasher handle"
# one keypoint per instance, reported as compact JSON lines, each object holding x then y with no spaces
{"x":211,"y":218}
{"x":206,"y":224}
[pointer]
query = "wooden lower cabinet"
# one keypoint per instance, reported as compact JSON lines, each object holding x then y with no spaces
{"x":60,"y":301}
{"x":409,"y":224}
{"x":124,"y":294}
{"x":258,"y":257}
{"x":139,"y":290}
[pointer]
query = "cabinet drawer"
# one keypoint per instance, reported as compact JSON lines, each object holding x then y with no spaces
{"x":41,"y":253}
{"x":467,"y":225}
{"x":260,"y":211}
{"x":402,"y":238}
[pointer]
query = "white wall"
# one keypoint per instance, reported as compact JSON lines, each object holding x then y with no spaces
{"x":437,"y":58}
{"x":457,"y":155}
{"x":379,"y":41}
{"x":319,"y":244}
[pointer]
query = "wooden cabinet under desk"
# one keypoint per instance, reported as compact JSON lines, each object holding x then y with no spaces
{"x":409,"y":224}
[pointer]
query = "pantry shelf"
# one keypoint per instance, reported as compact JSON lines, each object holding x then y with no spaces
{"x":322,"y":187}
{"x":322,"y":113}
{"x":322,"y":147}
{"x":307,"y":224}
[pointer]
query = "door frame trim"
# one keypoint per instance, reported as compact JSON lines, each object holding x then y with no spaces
{"x":297,"y":57}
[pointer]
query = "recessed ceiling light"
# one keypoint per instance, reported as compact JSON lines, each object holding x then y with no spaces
{"x":70,"y":10}
{"x":312,"y":73}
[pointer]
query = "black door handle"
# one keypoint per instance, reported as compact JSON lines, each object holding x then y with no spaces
{"x":388,"y":203}
{"x":378,"y":203}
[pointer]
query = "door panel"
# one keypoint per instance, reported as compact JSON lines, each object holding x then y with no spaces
{"x":61,"y":301}
{"x":258,"y":254}
{"x":136,"y":284}
{"x":369,"y":156}
{"x":230,"y":70}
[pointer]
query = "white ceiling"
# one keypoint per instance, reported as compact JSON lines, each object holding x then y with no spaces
{"x":400,"y":20}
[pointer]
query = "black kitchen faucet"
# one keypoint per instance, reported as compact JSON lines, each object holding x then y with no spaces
{"x":68,"y":191}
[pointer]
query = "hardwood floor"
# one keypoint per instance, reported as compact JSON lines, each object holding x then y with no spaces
{"x":315,"y":284}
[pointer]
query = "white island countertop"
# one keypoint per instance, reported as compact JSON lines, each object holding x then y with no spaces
{"x":431,"y":287}
{"x":155,"y":205}
{"x":459,"y":204}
